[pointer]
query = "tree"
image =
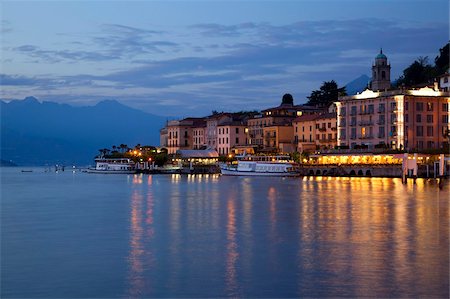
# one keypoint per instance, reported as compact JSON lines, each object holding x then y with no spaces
{"x":419,"y":72}
{"x":326,"y":95}
{"x":442,"y":60}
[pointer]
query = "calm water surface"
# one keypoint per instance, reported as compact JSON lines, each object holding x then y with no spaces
{"x":87,"y":235}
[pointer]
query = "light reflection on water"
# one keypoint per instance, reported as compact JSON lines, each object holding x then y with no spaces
{"x":216,"y":236}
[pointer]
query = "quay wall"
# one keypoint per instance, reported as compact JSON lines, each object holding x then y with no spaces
{"x":365,"y":170}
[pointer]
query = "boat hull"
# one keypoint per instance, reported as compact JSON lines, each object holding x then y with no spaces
{"x":92,"y":170}
{"x":258,"y":173}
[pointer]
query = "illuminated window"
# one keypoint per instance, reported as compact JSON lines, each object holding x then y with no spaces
{"x":429,"y":106}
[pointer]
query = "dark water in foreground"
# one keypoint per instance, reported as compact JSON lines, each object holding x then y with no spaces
{"x":86,"y":235}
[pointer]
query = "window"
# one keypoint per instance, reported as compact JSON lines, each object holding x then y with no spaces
{"x":445,"y":107}
{"x":317,"y":126}
{"x":419,"y":131}
{"x":329,"y":125}
{"x":393,"y":118}
{"x":406,"y":118}
{"x":381,"y":132}
{"x":353,"y":110}
{"x":371,"y":109}
{"x":237,"y":130}
{"x":418,"y":118}
{"x":381,"y":107}
{"x":419,"y":106}
{"x":237,"y":140}
{"x":330,"y":136}
{"x":381,"y":119}
{"x":343,"y":111}
{"x":445,"y":119}
{"x":406,"y":106}
{"x":343,"y":134}
{"x":383,"y":75}
{"x":430,"y":118}
{"x":430,"y":131}
{"x":353,"y":133}
{"x":429,"y":106}
{"x":227,"y":130}
{"x":430,"y":144}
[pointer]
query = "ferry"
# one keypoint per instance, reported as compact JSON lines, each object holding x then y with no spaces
{"x":262,"y":166}
{"x":113,"y":165}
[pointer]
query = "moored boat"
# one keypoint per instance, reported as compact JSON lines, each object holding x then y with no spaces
{"x":113,"y":165}
{"x":262,"y":166}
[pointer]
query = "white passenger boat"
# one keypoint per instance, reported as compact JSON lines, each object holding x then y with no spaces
{"x":262,"y":166}
{"x":108,"y":166}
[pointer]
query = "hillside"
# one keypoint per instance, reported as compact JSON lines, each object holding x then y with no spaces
{"x":35,"y":133}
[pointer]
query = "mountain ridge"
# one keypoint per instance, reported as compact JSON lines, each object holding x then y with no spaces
{"x":61,"y":133}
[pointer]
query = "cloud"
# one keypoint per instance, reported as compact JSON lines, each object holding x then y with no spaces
{"x":54,"y":56}
{"x":231,"y":66}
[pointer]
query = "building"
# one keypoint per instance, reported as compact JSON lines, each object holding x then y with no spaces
{"x":313,"y":132}
{"x":414,"y":119}
{"x":199,"y":133}
{"x":163,"y":137}
{"x":381,"y":73}
{"x":272,"y":129}
{"x":180,"y":133}
{"x":400,"y":119}
{"x":230,"y":134}
{"x":444,"y":82}
{"x":212,"y":122}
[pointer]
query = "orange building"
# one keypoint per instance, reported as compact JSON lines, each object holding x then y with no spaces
{"x":400,"y":119}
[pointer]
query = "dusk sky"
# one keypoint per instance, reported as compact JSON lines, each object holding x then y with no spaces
{"x":187,"y":58}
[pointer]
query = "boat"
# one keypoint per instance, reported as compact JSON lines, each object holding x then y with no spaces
{"x":262,"y":166}
{"x":113,"y":165}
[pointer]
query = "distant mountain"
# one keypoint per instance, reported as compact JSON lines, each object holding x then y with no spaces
{"x":357,"y":85}
{"x":35,"y":133}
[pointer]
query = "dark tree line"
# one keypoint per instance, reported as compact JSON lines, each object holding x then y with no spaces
{"x":327,"y":94}
{"x":422,"y":72}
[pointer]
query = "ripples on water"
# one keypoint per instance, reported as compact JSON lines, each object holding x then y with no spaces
{"x":87,"y":235}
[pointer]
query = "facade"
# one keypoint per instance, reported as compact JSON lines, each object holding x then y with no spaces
{"x":180,"y":134}
{"x":400,"y":119}
{"x":444,"y":82}
{"x":199,"y":132}
{"x":163,"y":137}
{"x":230,"y":135}
{"x":269,"y":129}
{"x":381,"y":73}
{"x":279,"y":138}
{"x":314,"y":132}
{"x":212,"y":122}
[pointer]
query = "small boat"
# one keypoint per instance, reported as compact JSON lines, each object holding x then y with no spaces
{"x":27,"y":170}
{"x":262,"y":166}
{"x":113,"y":165}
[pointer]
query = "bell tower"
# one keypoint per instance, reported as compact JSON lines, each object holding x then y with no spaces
{"x":381,"y":73}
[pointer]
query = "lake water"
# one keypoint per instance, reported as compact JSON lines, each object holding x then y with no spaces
{"x":87,"y":235}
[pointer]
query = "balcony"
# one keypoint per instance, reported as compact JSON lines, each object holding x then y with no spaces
{"x":322,"y":129}
{"x":365,"y":123}
{"x":381,"y":122}
{"x":333,"y":129}
{"x":353,"y":124}
{"x":381,"y":110}
{"x":365,"y":137}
